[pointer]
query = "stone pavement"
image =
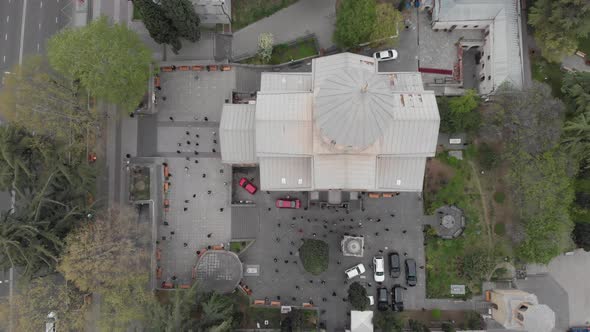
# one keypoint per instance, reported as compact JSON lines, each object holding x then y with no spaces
{"x":281,"y":232}
{"x":300,"y":19}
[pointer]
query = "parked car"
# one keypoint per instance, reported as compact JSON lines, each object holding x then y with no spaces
{"x":395,"y":267}
{"x":244,"y":183}
{"x":288,"y":203}
{"x":382,"y":299}
{"x":379,"y":266}
{"x":356,"y":270}
{"x":385,"y":55}
{"x":411,"y":275}
{"x":397,"y":298}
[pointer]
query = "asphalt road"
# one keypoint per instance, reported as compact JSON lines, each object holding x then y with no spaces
{"x":25,"y":26}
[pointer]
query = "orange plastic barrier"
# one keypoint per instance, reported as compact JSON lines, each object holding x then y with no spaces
{"x":225,"y":68}
{"x":184,"y":68}
{"x":166,"y":69}
{"x":197,"y":68}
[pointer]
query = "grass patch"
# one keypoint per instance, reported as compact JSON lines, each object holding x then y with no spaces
{"x":238,"y":246}
{"x":314,"y":256}
{"x":500,"y":229}
{"x":245,"y":12}
{"x":584,"y":45}
{"x":548,"y":72}
{"x":253,"y":315}
{"x":499,"y":197}
{"x":284,"y":53}
{"x":140,"y":184}
{"x":136,"y":14}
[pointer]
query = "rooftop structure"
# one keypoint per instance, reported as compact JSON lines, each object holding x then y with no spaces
{"x":344,"y":126}
{"x":519,"y":310}
{"x":501,"y":59}
{"x":361,"y":321}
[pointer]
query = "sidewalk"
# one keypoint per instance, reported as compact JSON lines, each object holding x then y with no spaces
{"x":300,"y":19}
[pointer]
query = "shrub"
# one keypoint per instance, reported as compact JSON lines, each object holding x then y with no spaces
{"x":487,"y":157}
{"x":474,"y":321}
{"x":314,"y":256}
{"x":436,"y":314}
{"x":499,"y":197}
{"x":582,"y":235}
{"x":477,"y":264}
{"x":448,"y":327}
{"x":500,"y":229}
{"x":357,"y":296}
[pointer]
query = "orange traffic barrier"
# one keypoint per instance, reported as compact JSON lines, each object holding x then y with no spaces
{"x":197,"y":68}
{"x":166,"y":172}
{"x":388,"y":195}
{"x":212,"y":67}
{"x":166,"y":69}
{"x":159,"y":273}
{"x":374,"y":195}
{"x":259,"y":302}
{"x":184,"y":286}
{"x":157,"y":81}
{"x":225,"y":68}
{"x":184,"y":68}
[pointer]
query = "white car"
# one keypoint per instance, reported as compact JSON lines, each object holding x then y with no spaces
{"x":379,"y":267}
{"x":354,"y":271}
{"x":385,"y":55}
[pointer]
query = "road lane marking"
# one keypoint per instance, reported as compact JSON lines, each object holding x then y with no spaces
{"x":4,"y":58}
{"x":37,"y":47}
{"x":5,"y":36}
{"x":39,"y":26}
{"x":22,"y":34}
{"x":41,"y":4}
{"x":56,"y":20}
{"x":7,"y":19}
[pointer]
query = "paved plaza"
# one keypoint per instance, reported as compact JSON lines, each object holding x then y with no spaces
{"x":281,"y":232}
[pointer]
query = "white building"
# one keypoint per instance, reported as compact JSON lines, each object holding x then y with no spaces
{"x":501,"y":47}
{"x":344,"y":126}
{"x":518,"y":310}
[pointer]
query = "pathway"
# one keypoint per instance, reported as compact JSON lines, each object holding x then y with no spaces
{"x":486,"y":215}
{"x":300,"y":19}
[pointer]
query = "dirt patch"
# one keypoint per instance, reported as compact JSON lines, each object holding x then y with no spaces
{"x":437,"y":175}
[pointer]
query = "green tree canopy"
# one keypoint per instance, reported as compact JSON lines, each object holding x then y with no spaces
{"x":558,"y":24}
{"x":355,"y":21}
{"x":576,"y":87}
{"x":357,"y":296}
{"x":184,"y":18}
{"x":159,"y":26}
{"x":111,"y":62}
{"x":314,"y":256}
{"x":387,"y":22}
{"x":476,"y":264}
{"x":459,"y":114}
{"x":387,"y":321}
{"x":582,"y":235}
{"x":39,"y":297}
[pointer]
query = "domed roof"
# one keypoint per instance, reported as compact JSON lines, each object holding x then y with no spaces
{"x":353,"y":108}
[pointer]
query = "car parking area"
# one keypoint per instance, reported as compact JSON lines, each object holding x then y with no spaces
{"x":387,"y":225}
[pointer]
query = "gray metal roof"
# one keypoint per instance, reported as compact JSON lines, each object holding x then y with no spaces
{"x":284,"y":123}
{"x":404,"y":82}
{"x":237,"y":135}
{"x":327,"y":66}
{"x":285,"y":173}
{"x":353,"y":108}
{"x":291,"y":82}
{"x":400,"y":173}
{"x":344,"y":171}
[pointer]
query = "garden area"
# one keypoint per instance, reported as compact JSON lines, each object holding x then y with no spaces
{"x":271,"y":318}
{"x":314,"y":256}
{"x":139,"y":184}
{"x":245,"y":12}
{"x":284,"y":53}
{"x":548,"y":72}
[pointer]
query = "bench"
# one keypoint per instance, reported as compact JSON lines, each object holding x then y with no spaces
{"x":166,"y":69}
{"x":225,"y":68}
{"x":184,"y":68}
{"x":197,"y":68}
{"x":259,"y":302}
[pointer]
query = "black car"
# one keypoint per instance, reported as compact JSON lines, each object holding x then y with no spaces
{"x":411,"y":275}
{"x":397,"y":298}
{"x":382,"y":299}
{"x":395,"y":267}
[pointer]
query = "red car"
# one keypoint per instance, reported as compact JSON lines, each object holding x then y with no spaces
{"x":287,"y":203}
{"x":244,"y":183}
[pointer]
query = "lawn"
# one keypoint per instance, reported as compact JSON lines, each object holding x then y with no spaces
{"x":245,"y":12}
{"x":314,"y":256}
{"x":254,"y":315}
{"x":238,"y":246}
{"x":548,"y":72}
{"x":284,"y":53}
{"x":140,"y":184}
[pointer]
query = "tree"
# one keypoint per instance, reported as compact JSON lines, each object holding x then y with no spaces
{"x":582,"y":235}
{"x":265,"y":44}
{"x":576,"y":138}
{"x":448,"y":327}
{"x":183,"y":17}
{"x":42,"y":102}
{"x":110,"y":62}
{"x":558,"y":25}
{"x":357,"y":296}
{"x":576,"y":87}
{"x":216,"y":310}
{"x":41,"y":296}
{"x":387,"y":321}
{"x":314,"y":256}
{"x":355,"y":21}
{"x":459,"y":114}
{"x":105,"y":253}
{"x":159,"y":26}
{"x":418,"y":326}
{"x":477,"y":264}
{"x":487,"y":157}
{"x":387,"y":22}
{"x":474,"y":321}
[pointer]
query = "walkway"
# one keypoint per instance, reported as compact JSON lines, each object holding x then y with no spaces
{"x":300,"y":19}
